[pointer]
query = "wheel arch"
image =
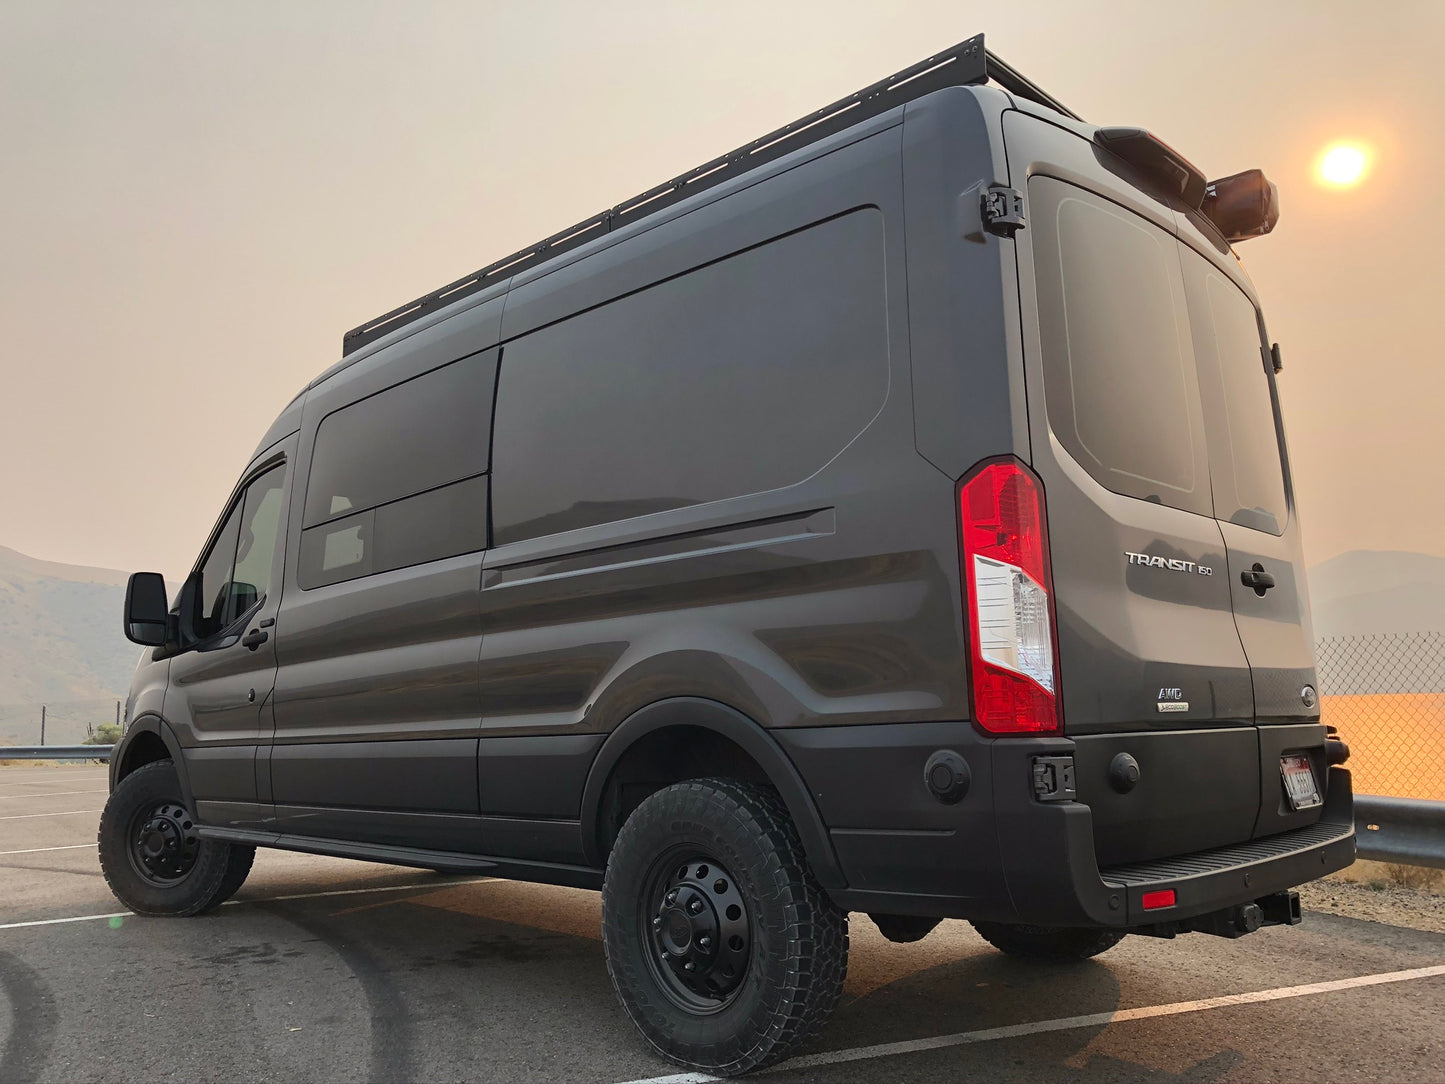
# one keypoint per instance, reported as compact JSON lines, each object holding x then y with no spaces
{"x":148,"y":739}
{"x":683,"y":714}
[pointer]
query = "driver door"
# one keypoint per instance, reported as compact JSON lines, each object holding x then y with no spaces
{"x":221,"y":680}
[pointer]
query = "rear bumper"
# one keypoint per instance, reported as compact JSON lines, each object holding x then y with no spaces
{"x":1001,"y":855}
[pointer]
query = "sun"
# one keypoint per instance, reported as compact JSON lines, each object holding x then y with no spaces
{"x":1342,"y":165}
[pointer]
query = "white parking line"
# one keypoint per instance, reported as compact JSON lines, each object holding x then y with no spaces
{"x":1066,"y":1023}
{"x":27,"y":816}
{"x":37,"y":850}
{"x":53,"y":794}
{"x":263,"y":899}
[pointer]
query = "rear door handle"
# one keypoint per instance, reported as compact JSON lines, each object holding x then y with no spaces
{"x":256,"y":637}
{"x":1257,"y":578}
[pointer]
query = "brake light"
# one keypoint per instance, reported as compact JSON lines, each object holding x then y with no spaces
{"x":1005,"y":550}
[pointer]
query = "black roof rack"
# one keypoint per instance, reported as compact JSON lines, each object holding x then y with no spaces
{"x":966,"y":64}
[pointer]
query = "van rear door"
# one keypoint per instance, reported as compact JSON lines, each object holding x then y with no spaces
{"x":1253,"y":503}
{"x":1151,"y":663}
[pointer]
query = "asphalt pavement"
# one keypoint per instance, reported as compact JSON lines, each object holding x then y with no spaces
{"x":331,"y":970}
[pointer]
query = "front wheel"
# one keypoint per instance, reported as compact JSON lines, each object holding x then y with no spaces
{"x":1047,"y":944}
{"x":153,"y":858}
{"x":722,"y":947}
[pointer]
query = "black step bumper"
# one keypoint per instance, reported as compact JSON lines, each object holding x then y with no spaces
{"x":1001,"y":855}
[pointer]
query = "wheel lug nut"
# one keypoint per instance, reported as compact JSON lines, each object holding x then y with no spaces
{"x":695,"y":906}
{"x":689,"y":966}
{"x":672,"y":896}
{"x":704,"y":943}
{"x":656,"y":922}
{"x":666,"y":955}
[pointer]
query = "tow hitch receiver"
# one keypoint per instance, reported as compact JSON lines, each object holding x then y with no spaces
{"x":1278,"y":909}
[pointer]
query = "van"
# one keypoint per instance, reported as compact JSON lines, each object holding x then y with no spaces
{"x":891,"y":516}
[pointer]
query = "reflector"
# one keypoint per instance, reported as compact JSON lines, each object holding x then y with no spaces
{"x":1154,"y":901}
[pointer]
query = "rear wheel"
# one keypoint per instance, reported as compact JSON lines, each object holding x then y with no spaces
{"x":1053,"y":944}
{"x":722,"y":947}
{"x":152,"y":856}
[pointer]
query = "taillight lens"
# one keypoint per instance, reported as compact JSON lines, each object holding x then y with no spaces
{"x":1005,"y":549}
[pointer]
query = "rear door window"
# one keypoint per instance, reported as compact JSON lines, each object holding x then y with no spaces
{"x":1244,"y":445}
{"x":1121,"y":390}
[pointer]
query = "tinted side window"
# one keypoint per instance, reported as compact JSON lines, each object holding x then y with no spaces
{"x":398,"y":478}
{"x":1120,"y":386}
{"x":424,"y":433}
{"x":256,"y":547}
{"x":744,"y":375}
{"x":1244,"y":442}
{"x":236,"y":573}
{"x":212,"y":592}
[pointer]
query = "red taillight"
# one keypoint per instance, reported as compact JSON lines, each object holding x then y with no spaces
{"x":1005,"y":552}
{"x":1155,"y":901}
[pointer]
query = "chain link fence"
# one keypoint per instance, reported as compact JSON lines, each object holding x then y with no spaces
{"x":58,"y":722}
{"x":1386,"y":694}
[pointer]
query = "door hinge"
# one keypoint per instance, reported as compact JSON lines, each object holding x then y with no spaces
{"x":1003,"y":211}
{"x":1053,"y":779}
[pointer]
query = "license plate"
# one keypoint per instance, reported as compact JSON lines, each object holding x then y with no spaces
{"x":1299,"y":782}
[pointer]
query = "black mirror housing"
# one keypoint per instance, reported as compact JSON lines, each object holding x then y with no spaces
{"x":146,"y":609}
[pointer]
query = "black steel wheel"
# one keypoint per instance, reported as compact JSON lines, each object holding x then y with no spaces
{"x":164,"y":844}
{"x":1048,"y":944}
{"x":152,"y":855}
{"x":722,"y":947}
{"x":701,"y":937}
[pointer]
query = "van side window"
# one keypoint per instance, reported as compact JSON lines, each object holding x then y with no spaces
{"x":1120,"y":386}
{"x":399,"y":478}
{"x":743,"y":375}
{"x":236,"y":574}
{"x":1244,"y":444}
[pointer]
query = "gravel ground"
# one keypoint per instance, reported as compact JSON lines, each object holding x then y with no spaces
{"x":1377,"y":899}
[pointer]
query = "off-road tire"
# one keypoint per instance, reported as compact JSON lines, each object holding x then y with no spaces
{"x":238,"y":868}
{"x":1047,"y":944}
{"x":798,"y":953}
{"x":216,"y":872}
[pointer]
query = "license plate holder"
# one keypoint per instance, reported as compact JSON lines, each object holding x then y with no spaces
{"x":1300,"y":785}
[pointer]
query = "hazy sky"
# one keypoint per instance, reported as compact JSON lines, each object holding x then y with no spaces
{"x":198,"y":199}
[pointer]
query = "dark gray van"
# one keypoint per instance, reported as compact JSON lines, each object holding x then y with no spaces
{"x":890,"y":516}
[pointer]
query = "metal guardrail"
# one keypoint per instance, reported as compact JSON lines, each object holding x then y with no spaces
{"x":56,"y":752}
{"x":1406,"y":830}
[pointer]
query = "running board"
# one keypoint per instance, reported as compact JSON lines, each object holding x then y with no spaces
{"x":515,"y":869}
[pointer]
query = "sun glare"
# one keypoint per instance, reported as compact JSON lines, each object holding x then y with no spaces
{"x":1343,"y":165}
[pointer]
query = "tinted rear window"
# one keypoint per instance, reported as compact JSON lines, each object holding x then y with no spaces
{"x":1246,"y":465}
{"x":1120,"y":388}
{"x":744,"y":375}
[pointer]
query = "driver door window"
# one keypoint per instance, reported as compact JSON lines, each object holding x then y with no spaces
{"x":237,"y":573}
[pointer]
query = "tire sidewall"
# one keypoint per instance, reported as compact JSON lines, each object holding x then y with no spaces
{"x":147,"y":786}
{"x":733,"y":1032}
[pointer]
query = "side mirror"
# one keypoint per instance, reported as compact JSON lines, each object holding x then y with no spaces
{"x":145,"y":609}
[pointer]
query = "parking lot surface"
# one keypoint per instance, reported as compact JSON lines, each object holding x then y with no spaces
{"x":326,"y":969}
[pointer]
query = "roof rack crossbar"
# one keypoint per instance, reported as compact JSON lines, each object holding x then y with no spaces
{"x":967,"y":63}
